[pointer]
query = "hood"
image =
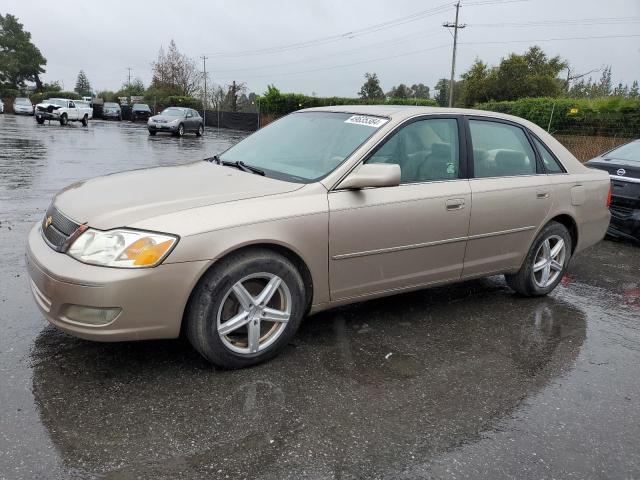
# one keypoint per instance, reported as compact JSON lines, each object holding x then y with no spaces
{"x":121,"y":199}
{"x":166,"y":118}
{"x":47,"y":106}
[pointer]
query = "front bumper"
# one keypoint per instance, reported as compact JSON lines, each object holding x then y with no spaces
{"x":152,"y":300}
{"x":47,"y":115}
{"x":23,"y":111}
{"x":625,"y":222}
{"x":162,"y":127}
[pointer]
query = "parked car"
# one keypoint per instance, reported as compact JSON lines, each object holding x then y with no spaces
{"x":62,"y":110}
{"x":623,"y":165}
{"x":177,"y":121}
{"x":22,"y":106}
{"x":140,"y":111}
{"x":324,"y":207}
{"x":1,"y":106}
{"x":111,"y":111}
{"x":86,"y":105}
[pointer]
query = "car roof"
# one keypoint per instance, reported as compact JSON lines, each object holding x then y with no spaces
{"x":400,"y":112}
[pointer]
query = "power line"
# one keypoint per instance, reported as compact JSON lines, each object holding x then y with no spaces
{"x":456,"y":26}
{"x":358,"y":32}
{"x":550,"y":39}
{"x":392,"y":42}
{"x":570,"y":22}
{"x":415,"y":52}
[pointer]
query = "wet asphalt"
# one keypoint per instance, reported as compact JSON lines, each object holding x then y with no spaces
{"x":467,"y":381}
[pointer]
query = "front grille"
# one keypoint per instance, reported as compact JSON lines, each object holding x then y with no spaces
{"x":57,"y":228}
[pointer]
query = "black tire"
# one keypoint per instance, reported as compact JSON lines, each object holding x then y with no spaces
{"x":208,"y":297}
{"x":200,"y":130}
{"x":40,"y":120}
{"x":524,"y":281}
{"x":152,"y":132}
{"x":63,"y":119}
{"x":180,"y":131}
{"x":85,"y":120}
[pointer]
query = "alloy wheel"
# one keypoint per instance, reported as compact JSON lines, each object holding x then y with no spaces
{"x":254,"y":313}
{"x":549,"y":260}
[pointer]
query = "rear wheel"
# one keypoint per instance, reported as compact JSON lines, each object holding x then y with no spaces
{"x":64,"y":119}
{"x":246,"y":309}
{"x":85,"y":120}
{"x":545,"y":263}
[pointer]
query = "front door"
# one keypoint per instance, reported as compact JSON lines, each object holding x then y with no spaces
{"x":511,"y":197}
{"x":392,"y":238}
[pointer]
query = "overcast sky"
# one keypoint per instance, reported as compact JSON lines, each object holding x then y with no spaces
{"x":104,"y":38}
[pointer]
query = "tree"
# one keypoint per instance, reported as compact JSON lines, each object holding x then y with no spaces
{"x":236,"y":98}
{"x":633,"y":92}
{"x":531,"y":74}
{"x":83,"y":87}
{"x":475,"y":86}
{"x":604,"y":86}
{"x":401,"y":91}
{"x":175,"y":73}
{"x":442,"y":89}
{"x":136,"y":88}
{"x":419,"y":90}
{"x":20,"y":60}
{"x":371,"y":89}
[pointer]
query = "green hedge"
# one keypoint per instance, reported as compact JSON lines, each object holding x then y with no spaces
{"x":173,"y":101}
{"x":39,"y":97}
{"x":610,"y":116}
{"x":284,"y":103}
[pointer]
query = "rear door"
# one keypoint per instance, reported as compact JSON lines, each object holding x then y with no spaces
{"x":510,"y":192}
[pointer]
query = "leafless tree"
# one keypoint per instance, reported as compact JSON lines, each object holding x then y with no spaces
{"x":175,"y":72}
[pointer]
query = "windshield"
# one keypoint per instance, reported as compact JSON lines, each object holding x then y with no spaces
{"x":110,"y":105}
{"x":57,"y":101}
{"x":174,"y":112}
{"x":306,"y":146}
{"x":141,"y":106}
{"x":22,"y":101}
{"x":630,"y":151}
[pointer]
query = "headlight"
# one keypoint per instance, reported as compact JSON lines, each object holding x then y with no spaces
{"x":122,"y":248}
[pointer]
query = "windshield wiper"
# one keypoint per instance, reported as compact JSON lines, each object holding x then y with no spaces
{"x":248,"y":168}
{"x":240,"y":165}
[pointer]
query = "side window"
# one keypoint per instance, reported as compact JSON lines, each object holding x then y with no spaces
{"x":72,"y":105}
{"x":426,"y":150}
{"x":500,"y":150}
{"x":550,"y":162}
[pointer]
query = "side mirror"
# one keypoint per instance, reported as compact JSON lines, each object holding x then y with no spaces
{"x":373,"y":175}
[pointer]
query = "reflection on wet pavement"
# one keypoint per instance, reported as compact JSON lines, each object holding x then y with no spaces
{"x":464,"y":381}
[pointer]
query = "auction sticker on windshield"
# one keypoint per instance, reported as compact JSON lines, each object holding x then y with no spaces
{"x":374,"y":122}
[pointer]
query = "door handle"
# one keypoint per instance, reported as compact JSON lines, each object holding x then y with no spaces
{"x":542,"y":194}
{"x":455,"y":204}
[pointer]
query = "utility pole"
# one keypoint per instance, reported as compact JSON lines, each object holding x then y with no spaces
{"x":204,"y":103}
{"x":456,"y":26}
{"x":129,"y":84}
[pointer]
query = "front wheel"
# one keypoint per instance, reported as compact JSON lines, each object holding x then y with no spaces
{"x":40,"y":120}
{"x":200,"y":131}
{"x":152,"y":132}
{"x":180,"y":131}
{"x":545,"y":263}
{"x":64,"y":119}
{"x":246,"y":309}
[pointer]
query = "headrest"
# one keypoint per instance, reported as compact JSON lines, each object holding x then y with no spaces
{"x":511,"y":159}
{"x":441,"y":149}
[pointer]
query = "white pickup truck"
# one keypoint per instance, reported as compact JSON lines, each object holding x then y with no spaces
{"x":62,"y":110}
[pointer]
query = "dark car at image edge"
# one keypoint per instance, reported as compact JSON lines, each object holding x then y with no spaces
{"x":623,"y":165}
{"x":140,"y":111}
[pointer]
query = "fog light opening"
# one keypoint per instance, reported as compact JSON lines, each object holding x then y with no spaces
{"x":90,"y":315}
